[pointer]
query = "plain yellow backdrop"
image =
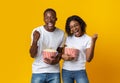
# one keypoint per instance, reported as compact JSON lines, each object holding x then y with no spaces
{"x":19,"y":17}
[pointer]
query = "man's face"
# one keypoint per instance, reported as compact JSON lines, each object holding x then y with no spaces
{"x":50,"y":20}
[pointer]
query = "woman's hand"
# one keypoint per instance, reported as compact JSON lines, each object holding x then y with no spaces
{"x":67,"y":57}
{"x":94,"y":37}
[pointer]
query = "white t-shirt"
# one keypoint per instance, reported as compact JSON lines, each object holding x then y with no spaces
{"x":47,"y":40}
{"x":81,"y":43}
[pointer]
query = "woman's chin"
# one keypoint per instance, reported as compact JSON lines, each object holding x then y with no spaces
{"x":77,"y":34}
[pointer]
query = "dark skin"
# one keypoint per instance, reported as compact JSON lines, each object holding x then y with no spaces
{"x":50,"y":20}
{"x":76,"y":30}
{"x":34,"y":47}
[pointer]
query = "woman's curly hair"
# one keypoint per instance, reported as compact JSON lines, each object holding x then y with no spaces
{"x":74,"y":18}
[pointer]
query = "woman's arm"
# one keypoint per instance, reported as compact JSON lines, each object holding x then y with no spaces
{"x":90,"y":51}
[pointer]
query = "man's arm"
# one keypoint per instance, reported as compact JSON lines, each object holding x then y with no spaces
{"x":34,"y":47}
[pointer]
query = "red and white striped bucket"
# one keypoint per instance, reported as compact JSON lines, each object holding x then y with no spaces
{"x":49,"y":53}
{"x":73,"y":52}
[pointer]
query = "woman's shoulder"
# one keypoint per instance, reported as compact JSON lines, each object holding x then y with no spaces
{"x":87,"y":37}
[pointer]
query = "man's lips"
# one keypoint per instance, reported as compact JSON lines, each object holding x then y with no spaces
{"x":50,"y":24}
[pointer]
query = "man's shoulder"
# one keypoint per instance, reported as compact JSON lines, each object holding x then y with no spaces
{"x":39,"y":28}
{"x":59,"y":30}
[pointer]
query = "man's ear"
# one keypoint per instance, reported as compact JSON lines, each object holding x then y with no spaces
{"x":56,"y":19}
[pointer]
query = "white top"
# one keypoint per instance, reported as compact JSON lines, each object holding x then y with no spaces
{"x":81,"y":43}
{"x":48,"y":40}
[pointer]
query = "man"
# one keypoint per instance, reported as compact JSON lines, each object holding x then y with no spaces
{"x":45,"y":37}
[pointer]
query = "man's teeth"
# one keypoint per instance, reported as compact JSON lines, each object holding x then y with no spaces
{"x":50,"y":24}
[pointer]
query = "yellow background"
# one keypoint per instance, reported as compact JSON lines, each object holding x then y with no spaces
{"x":19,"y":17}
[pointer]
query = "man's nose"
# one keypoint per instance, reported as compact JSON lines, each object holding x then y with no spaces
{"x":49,"y":19}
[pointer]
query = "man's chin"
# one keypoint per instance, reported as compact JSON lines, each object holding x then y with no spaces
{"x":51,"y":28}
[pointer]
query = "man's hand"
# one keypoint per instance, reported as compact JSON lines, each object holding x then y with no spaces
{"x":34,"y":47}
{"x":36,"y":36}
{"x":53,"y":60}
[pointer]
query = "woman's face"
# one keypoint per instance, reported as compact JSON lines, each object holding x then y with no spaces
{"x":50,"y":20}
{"x":75,"y":28}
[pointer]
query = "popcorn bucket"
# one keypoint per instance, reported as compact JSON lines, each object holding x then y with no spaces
{"x":49,"y":54}
{"x":73,"y":52}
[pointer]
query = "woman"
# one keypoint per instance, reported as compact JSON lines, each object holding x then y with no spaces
{"x":74,"y":69}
